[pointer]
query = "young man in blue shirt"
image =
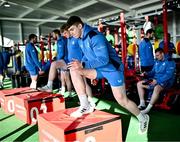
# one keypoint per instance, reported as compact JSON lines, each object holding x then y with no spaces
{"x":161,"y":77}
{"x":75,"y":52}
{"x":6,"y":58}
{"x":32,"y":63}
{"x":99,"y":61}
{"x":171,"y":47}
{"x":146,"y":52}
{"x":60,"y":62}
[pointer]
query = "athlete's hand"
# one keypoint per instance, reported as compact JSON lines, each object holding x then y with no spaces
{"x":41,"y":71}
{"x":75,"y":65}
{"x":154,"y":82}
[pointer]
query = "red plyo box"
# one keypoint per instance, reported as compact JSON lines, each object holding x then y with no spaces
{"x":98,"y":126}
{"x":6,"y":98}
{"x":29,"y":105}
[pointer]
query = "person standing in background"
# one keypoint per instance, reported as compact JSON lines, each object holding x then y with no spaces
{"x":171,"y":47}
{"x":32,"y":63}
{"x":146,"y":52}
{"x":6,"y":58}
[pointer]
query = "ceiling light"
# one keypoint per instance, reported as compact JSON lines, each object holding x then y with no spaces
{"x":6,"y":4}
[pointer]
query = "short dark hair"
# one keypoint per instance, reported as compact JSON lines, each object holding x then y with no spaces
{"x":56,"y":31}
{"x":159,"y":50}
{"x":32,"y":36}
{"x":74,"y":20}
{"x":150,"y":31}
{"x":63,"y":28}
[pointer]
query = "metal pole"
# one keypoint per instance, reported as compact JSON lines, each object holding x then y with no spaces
{"x":18,"y":45}
{"x":123,"y":38}
{"x":115,"y":37}
{"x":1,"y":34}
{"x":42,"y":51}
{"x":49,"y":45}
{"x":165,"y":27}
{"x":100,"y":29}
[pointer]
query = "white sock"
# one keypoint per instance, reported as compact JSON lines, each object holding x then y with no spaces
{"x":140,"y":117}
{"x":49,"y":84}
{"x":34,"y":81}
{"x":142,"y":103}
{"x":63,"y":89}
{"x":83,"y":101}
{"x":33,"y":84}
{"x":1,"y":78}
{"x":148,"y":108}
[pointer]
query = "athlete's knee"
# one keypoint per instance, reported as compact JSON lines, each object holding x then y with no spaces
{"x":139,"y":84}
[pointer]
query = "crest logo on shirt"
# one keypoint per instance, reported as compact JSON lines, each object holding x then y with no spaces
{"x":87,"y":44}
{"x":81,"y":45}
{"x":101,"y":47}
{"x":73,"y":42}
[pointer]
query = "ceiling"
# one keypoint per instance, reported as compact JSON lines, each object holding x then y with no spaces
{"x":53,"y":13}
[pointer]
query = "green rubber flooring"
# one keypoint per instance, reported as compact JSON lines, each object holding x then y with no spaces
{"x":164,"y":125}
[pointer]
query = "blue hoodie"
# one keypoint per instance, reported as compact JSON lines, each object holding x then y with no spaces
{"x":6,"y":58}
{"x":62,"y":48}
{"x":163,"y":72}
{"x":171,"y":47}
{"x":74,"y":51}
{"x":98,"y":53}
{"x":146,"y":53}
{"x":1,"y":62}
{"x":31,"y":57}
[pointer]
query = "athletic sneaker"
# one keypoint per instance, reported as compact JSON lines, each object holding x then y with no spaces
{"x":45,"y":89}
{"x":91,"y":102}
{"x":92,"y":105}
{"x":143,"y":125}
{"x":80,"y":111}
